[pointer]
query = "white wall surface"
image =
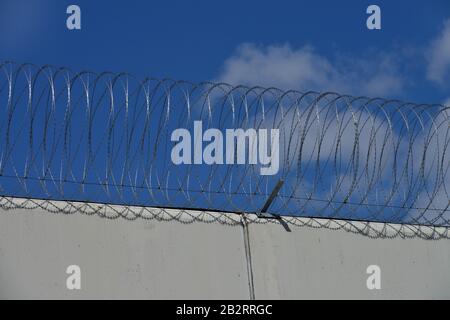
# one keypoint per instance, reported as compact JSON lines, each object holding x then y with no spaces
{"x":118,"y":258}
{"x":320,"y":263}
{"x":153,"y":259}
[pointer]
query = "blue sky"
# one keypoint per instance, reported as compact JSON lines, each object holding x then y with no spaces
{"x":204,"y":40}
{"x":302,"y":45}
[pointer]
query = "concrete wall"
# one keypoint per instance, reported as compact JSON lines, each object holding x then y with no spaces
{"x":153,"y":259}
{"x":320,"y":263}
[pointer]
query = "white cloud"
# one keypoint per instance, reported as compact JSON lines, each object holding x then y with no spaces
{"x":438,"y":69}
{"x":382,"y":153}
{"x":303,"y":69}
{"x":447,"y":102}
{"x":371,"y":74}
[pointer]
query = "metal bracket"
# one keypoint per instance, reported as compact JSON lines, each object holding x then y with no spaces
{"x":263,"y":212}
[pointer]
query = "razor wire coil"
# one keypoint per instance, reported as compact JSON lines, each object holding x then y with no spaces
{"x":107,"y":138}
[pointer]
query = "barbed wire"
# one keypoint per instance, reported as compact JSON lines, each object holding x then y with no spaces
{"x":130,"y":213}
{"x":108,"y":138}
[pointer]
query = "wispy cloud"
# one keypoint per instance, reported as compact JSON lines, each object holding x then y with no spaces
{"x":438,"y":55}
{"x":304,"y":69}
{"x":406,"y":155}
{"x":447,"y":102}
